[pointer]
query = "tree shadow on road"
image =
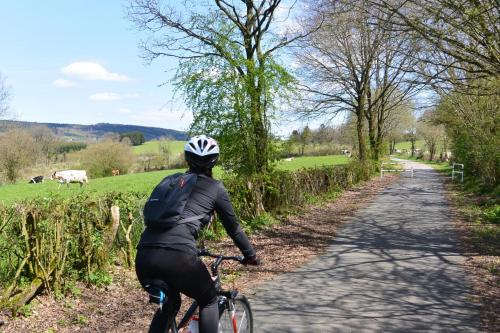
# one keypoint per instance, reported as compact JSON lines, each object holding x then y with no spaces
{"x":394,"y":268}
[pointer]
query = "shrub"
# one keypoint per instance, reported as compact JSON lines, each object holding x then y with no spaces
{"x":492,"y":214}
{"x":471,"y":122}
{"x":17,"y":150}
{"x":68,"y":147}
{"x":53,"y":241}
{"x":279,"y":190}
{"x":136,"y":138}
{"x":102,"y":158}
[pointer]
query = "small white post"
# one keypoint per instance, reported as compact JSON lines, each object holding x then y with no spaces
{"x":461,"y":172}
{"x":411,"y":172}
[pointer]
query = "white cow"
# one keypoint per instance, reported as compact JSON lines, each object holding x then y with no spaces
{"x":70,"y":176}
{"x":346,"y":152}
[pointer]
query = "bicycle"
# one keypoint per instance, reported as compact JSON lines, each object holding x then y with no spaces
{"x":235,"y":314}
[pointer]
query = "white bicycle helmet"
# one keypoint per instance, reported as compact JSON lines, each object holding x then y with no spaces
{"x":201,"y":151}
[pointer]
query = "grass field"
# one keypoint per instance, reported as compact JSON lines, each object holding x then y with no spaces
{"x":312,"y":161}
{"x":125,"y":183}
{"x":439,"y":166}
{"x":407,"y":145}
{"x":176,"y":147}
{"x":142,"y":182}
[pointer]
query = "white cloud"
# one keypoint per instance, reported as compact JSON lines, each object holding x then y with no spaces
{"x":107,"y":96}
{"x":124,"y":111}
{"x":62,"y":83}
{"x":87,"y":70}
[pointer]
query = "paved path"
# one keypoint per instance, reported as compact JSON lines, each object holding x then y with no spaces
{"x":394,"y":268}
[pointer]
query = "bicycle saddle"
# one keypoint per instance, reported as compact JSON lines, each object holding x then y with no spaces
{"x":157,"y":290}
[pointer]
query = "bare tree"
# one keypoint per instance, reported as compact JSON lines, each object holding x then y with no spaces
{"x":45,"y":139}
{"x":398,"y":124}
{"x":462,"y":37}
{"x":238,"y":33}
{"x":393,"y":83}
{"x":336,"y":63}
{"x":432,"y":133}
{"x":357,"y":63}
{"x":411,"y":133}
{"x":5,"y":95}
{"x":17,"y":151}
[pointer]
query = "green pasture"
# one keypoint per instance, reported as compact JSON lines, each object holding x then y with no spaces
{"x":140,"y":182}
{"x":151,"y":147}
{"x":126,"y":183}
{"x":437,"y":165}
{"x":311,"y":162}
{"x":177,"y":147}
{"x":420,"y":144}
{"x":312,"y":148}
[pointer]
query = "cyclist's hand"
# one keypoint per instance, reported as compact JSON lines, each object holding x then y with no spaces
{"x":253,"y":260}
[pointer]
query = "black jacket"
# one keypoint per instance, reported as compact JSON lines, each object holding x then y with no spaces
{"x":208,"y":195}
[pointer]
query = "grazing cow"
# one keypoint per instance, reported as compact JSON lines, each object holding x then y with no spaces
{"x":36,"y":179}
{"x":115,"y":172}
{"x":346,"y":152}
{"x":70,"y":176}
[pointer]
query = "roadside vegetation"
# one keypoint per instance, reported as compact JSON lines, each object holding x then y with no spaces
{"x":477,"y":216}
{"x":49,"y":243}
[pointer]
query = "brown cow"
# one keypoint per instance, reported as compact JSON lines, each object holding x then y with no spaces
{"x":115,"y":172}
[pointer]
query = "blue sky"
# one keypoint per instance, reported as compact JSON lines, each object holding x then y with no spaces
{"x":78,"y":62}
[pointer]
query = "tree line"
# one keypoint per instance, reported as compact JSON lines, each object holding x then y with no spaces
{"x":375,"y":60}
{"x":379,"y":62}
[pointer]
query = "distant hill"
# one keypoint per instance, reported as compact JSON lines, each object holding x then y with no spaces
{"x":75,"y":132}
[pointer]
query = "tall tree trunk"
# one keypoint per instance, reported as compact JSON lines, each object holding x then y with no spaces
{"x":372,"y":134}
{"x":380,"y":137}
{"x":360,"y":115}
{"x":260,"y":139}
{"x":432,"y":151}
{"x":361,"y":135}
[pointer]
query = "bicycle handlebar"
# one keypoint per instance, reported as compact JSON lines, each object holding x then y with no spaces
{"x":219,"y":258}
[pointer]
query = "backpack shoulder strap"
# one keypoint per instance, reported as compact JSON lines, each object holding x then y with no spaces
{"x":196,"y":217}
{"x":192,"y":218}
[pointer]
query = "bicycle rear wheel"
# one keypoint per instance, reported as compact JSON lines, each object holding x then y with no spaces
{"x":241,"y":321}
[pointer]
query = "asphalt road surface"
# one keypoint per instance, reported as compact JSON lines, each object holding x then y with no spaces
{"x":395,"y":267}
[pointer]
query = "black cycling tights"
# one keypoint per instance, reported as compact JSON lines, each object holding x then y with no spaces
{"x":183,"y":273}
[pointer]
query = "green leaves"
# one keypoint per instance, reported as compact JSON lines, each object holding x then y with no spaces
{"x":233,"y":99}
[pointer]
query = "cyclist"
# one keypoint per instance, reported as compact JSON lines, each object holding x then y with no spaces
{"x":170,"y":255}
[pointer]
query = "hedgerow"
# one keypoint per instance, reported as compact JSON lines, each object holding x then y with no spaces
{"x":49,"y":243}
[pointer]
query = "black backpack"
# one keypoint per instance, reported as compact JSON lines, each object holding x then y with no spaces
{"x":167,"y":201}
